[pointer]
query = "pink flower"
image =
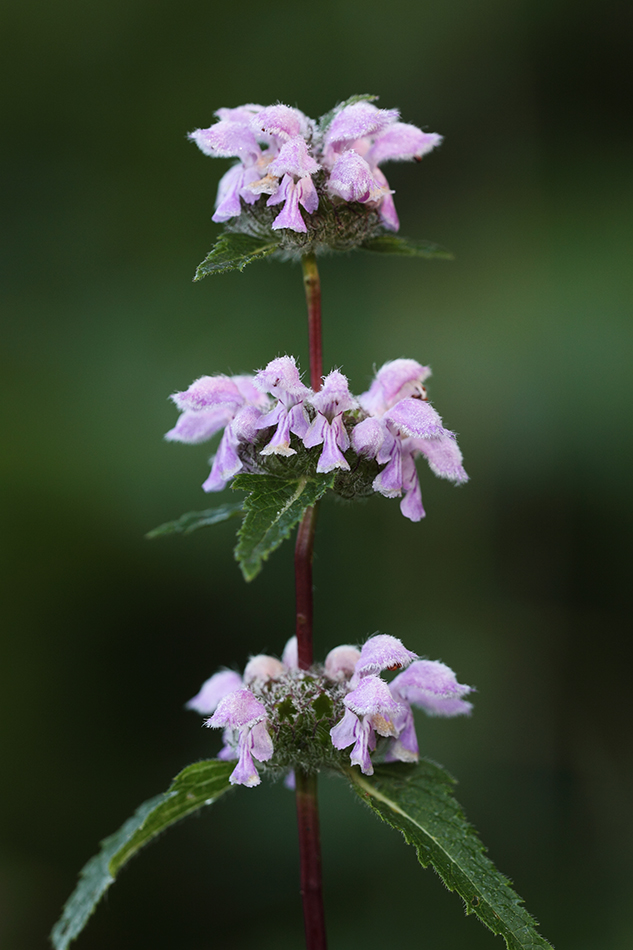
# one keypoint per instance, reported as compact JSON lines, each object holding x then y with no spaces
{"x":281,"y":379}
{"x":327,"y":429}
{"x":402,"y":425}
{"x":373,"y":706}
{"x":362,"y":137}
{"x":240,"y":711}
{"x":212,"y":403}
{"x":279,"y":150}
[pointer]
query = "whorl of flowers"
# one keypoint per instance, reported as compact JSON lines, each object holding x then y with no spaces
{"x":288,"y":717}
{"x":275,"y":424}
{"x":303,"y":177}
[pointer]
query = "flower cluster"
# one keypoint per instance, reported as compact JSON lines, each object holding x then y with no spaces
{"x":277,"y":712}
{"x":287,"y":159}
{"x":274,"y":414}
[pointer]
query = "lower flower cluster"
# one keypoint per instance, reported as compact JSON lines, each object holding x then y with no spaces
{"x":278,"y":714}
{"x":273,"y":415}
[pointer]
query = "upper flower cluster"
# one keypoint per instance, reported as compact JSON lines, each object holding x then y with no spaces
{"x":275,"y":709}
{"x":274,"y":414}
{"x":288,"y":159}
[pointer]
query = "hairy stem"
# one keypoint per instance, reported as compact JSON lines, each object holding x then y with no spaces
{"x":310,"y":857}
{"x":307,"y":806}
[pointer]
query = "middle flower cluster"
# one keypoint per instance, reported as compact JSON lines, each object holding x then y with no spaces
{"x":273,"y":413}
{"x":304,"y":718}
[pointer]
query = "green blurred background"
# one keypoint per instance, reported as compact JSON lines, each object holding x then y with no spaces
{"x":520,"y":580}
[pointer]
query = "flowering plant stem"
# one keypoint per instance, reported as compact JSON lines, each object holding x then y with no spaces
{"x":306,"y":784}
{"x":310,"y":860}
{"x":303,"y":586}
{"x":312,"y":286}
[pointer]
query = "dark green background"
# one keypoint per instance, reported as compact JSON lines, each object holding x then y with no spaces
{"x":520,"y":580}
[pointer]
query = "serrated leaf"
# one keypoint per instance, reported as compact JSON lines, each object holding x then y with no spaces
{"x":273,"y":507}
{"x":417,"y":800}
{"x":197,"y":785}
{"x":390,"y":244}
{"x":233,"y":251}
{"x":193,"y":520}
{"x":326,"y":120}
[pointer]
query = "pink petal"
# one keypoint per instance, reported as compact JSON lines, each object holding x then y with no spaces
{"x":360,"y":753}
{"x":195,"y":426}
{"x":227,"y":139}
{"x":344,"y":733}
{"x":402,"y":142}
{"x":351,"y":179}
{"x":383,"y":652}
{"x":293,"y":159}
{"x":281,"y":121}
{"x":416,"y":418}
{"x":213,"y":690}
{"x":357,"y":121}
{"x":307,"y":194}
{"x":368,"y":436}
{"x":394,"y":381}
{"x":280,"y":377}
{"x":227,"y":202}
{"x":226,"y":463}
{"x":405,"y":746}
{"x":371,"y":697}
{"x":444,"y":457}
{"x":387,"y":206}
{"x":243,"y":114}
{"x":238,"y":709}
{"x":331,"y":457}
{"x":411,"y":505}
{"x":290,"y":656}
{"x":334,"y":397}
{"x":262,"y":743}
{"x":389,"y":481}
{"x":433,"y":686}
{"x":208,"y":392}
{"x":316,"y":433}
{"x":341,"y":661}
{"x":245,"y":772}
{"x":263,"y":668}
{"x":290,"y":216}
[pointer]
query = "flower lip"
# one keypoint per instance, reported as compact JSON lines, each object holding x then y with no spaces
{"x":432,"y":686}
{"x":371,"y":697}
{"x":334,"y":396}
{"x":238,"y":710}
{"x":357,"y":121}
{"x":213,"y":691}
{"x":280,"y":377}
{"x":395,"y":380}
{"x":383,"y":652}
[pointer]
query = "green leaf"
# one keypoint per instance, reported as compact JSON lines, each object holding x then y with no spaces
{"x":390,"y":244}
{"x":326,"y":120}
{"x":417,"y":800}
{"x":233,"y":251}
{"x":197,"y":785}
{"x":193,"y":520}
{"x":273,"y":507}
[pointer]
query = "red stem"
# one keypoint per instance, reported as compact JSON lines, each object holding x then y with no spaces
{"x":312,"y":286}
{"x":310,"y":856}
{"x":307,"y":806}
{"x":303,"y":586}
